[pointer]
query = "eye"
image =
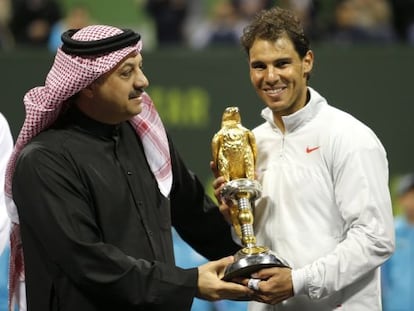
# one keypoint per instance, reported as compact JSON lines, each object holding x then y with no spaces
{"x":126,"y":73}
{"x":282,"y":63}
{"x":258,"y":65}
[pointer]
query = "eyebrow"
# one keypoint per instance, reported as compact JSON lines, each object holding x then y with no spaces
{"x":127,"y":65}
{"x":256,"y":62}
{"x":282,"y":59}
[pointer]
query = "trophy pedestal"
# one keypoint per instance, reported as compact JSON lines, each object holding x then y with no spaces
{"x":247,"y":261}
{"x":252,"y":257}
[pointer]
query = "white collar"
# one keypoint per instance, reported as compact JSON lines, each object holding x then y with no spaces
{"x":302,"y":116}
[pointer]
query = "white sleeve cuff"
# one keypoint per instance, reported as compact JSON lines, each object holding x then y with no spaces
{"x":298,"y":280}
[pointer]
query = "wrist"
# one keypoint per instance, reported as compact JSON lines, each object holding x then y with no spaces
{"x":298,"y":281}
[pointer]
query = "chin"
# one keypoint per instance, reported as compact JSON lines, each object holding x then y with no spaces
{"x":276,"y":106}
{"x":135,"y":109}
{"x":136,"y":112}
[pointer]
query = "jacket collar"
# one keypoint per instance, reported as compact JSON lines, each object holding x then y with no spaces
{"x":301,"y":117}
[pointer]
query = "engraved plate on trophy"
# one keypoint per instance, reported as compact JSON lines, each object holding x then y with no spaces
{"x":234,"y":155}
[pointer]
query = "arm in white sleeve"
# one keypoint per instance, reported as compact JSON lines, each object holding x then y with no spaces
{"x":360,"y":180}
{"x":6,"y":146}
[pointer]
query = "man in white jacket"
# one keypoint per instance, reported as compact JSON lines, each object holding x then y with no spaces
{"x":325,"y":205}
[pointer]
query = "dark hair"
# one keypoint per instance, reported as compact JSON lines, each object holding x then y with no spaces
{"x":273,"y":24}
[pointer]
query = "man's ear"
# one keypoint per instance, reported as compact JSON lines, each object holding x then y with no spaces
{"x":308,"y":62}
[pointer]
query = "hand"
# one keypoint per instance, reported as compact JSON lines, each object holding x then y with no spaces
{"x":211,"y":287}
{"x":218,"y":185}
{"x":275,"y":285}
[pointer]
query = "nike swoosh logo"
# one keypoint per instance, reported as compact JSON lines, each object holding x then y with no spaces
{"x":309,"y":150}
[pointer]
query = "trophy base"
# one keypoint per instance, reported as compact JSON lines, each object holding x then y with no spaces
{"x":247,"y":262}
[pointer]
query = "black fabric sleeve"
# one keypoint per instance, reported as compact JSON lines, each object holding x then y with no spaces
{"x":196,"y":217}
{"x":55,"y":209}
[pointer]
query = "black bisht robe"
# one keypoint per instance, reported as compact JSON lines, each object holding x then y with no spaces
{"x":96,"y":231}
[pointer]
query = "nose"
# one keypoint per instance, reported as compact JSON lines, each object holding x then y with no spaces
{"x":272,"y":75}
{"x":141,"y":80}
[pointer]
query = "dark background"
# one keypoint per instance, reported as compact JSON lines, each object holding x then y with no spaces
{"x":192,"y":88}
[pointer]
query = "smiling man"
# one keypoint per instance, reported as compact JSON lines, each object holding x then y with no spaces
{"x":97,"y":185}
{"x":325,"y":205}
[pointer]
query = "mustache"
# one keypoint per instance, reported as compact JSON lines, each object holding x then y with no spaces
{"x":135,"y":93}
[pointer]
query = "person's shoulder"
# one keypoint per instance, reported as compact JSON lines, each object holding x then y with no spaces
{"x":46,"y":143}
{"x":343,"y":130}
{"x":341,"y":118}
{"x":343,"y":125}
{"x":4,"y":124}
{"x":2,"y":118}
{"x":4,"y":127}
{"x":6,"y":137}
{"x":332,"y":115}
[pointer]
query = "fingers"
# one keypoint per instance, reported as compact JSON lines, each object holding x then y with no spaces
{"x":212,"y":287}
{"x":265,"y":274}
{"x":214,"y":169}
{"x":274,"y":287}
{"x":258,"y":295}
{"x":218,"y":266}
{"x":243,"y":281}
{"x":231,"y":290}
{"x":224,"y":261}
{"x":218,"y":183}
{"x":221,"y":264}
{"x":240,"y":280}
{"x":254,"y":284}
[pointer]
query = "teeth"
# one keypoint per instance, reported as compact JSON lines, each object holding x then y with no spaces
{"x":275,"y":91}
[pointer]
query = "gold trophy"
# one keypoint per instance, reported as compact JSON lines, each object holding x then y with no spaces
{"x":234,"y":155}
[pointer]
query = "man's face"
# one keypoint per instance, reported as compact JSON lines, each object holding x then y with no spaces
{"x":407,"y":205}
{"x":279,"y":75}
{"x":116,"y":96}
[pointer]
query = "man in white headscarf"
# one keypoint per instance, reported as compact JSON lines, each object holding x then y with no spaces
{"x":94,"y":185}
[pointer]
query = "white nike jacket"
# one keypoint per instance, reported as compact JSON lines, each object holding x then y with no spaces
{"x":325,"y":207}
